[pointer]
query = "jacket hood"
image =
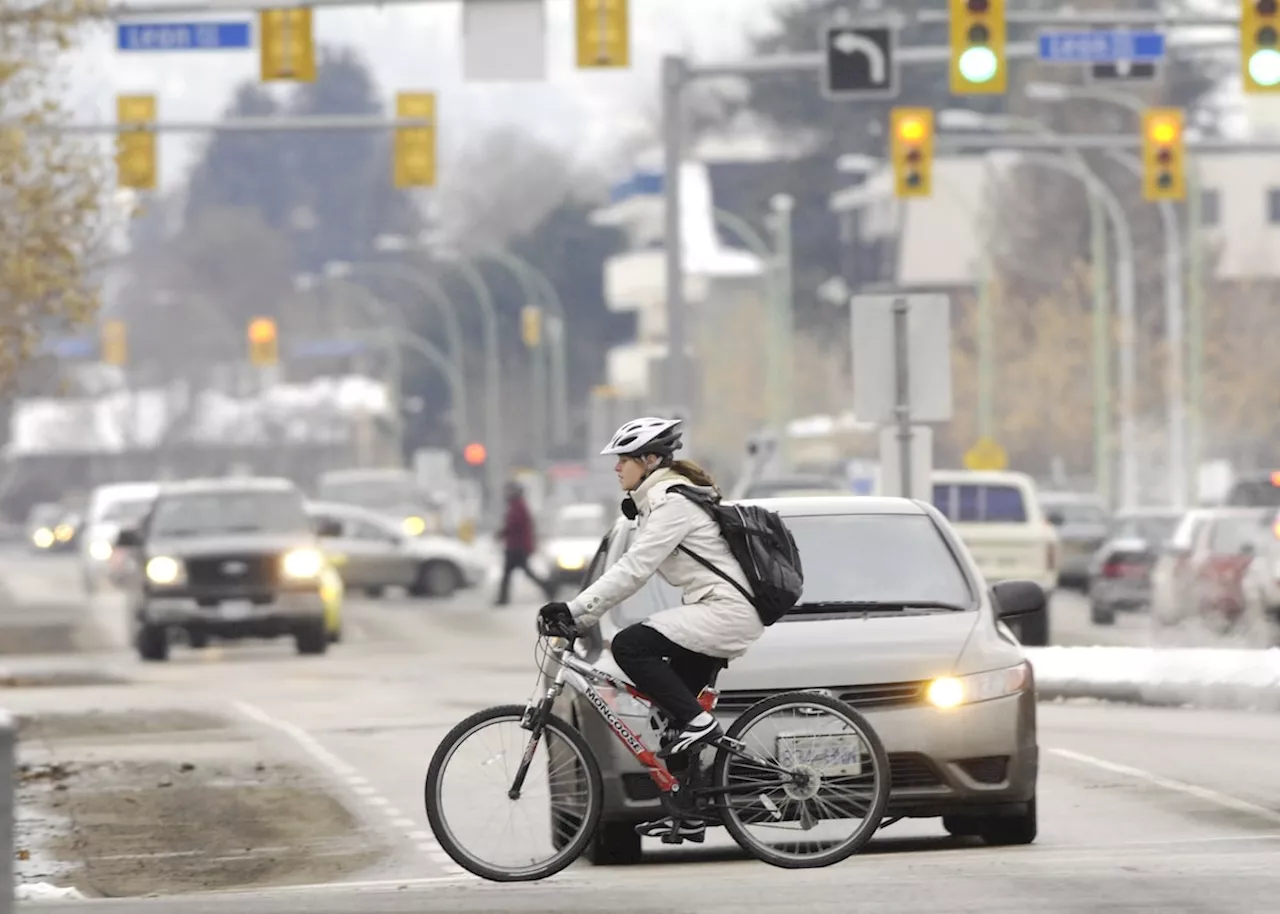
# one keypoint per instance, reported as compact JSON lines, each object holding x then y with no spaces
{"x":656,"y":485}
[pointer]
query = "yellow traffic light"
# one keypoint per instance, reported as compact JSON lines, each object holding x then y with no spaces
{"x":1163,"y":155}
{"x":264,"y":344}
{"x":1260,"y":45}
{"x":115,"y":343}
{"x":604,"y":34}
{"x":531,"y":325}
{"x":911,"y":148}
{"x":414,"y":149}
{"x":287,"y":45}
{"x":136,"y":163}
{"x":978,"y":62}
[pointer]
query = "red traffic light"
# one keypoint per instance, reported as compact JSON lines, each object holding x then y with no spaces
{"x":474,"y":454}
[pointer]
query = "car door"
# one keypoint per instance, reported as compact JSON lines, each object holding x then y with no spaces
{"x":1171,"y":575}
{"x":354,"y":556}
{"x":389,"y":564}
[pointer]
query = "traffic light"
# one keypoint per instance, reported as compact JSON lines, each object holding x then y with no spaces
{"x":414,"y":150}
{"x":288,"y":48}
{"x":604,"y":38}
{"x":474,"y":454}
{"x":1260,"y":45}
{"x":978,"y":64}
{"x":531,"y":326}
{"x":1163,"y":155}
{"x":911,"y":148}
{"x":264,"y":344}
{"x":115,"y":343}
{"x":136,"y":148}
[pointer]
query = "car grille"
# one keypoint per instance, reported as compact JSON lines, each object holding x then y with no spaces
{"x":212,"y":571}
{"x":879,"y":695}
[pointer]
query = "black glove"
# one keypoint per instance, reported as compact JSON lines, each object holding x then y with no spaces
{"x":555,"y":619}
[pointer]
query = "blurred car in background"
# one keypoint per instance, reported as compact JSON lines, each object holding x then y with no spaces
{"x":228,"y":559}
{"x":570,"y":541}
{"x":795,"y":485}
{"x":111,"y":508}
{"x":1083,"y":523}
{"x":1255,"y":490}
{"x":47,"y":527}
{"x":1119,"y":576}
{"x":1259,"y":624}
{"x":390,"y":491}
{"x":1200,"y":573}
{"x":371,"y":552}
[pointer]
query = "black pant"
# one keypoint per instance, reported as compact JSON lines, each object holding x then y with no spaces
{"x":518,"y":558}
{"x":641,"y":652}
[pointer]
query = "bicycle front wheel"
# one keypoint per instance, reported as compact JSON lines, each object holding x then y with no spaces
{"x":542,"y":829}
{"x":808,"y":784}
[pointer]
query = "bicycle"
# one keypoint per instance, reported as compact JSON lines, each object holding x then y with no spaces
{"x":794,"y":775}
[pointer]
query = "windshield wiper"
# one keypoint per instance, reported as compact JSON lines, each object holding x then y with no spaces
{"x":879,"y":605}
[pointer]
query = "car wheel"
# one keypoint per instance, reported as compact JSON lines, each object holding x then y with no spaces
{"x":614,"y":844}
{"x":374,"y":593}
{"x":1101,"y":615}
{"x":153,"y":642}
{"x":198,"y":640}
{"x":436,"y":579}
{"x":1003,"y":831}
{"x":311,"y":637}
{"x":335,"y":636}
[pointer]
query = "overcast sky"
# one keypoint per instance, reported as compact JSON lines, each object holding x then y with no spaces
{"x":419,"y":47}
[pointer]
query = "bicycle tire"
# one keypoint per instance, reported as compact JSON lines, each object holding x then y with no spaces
{"x":444,"y":836}
{"x":757,"y":849}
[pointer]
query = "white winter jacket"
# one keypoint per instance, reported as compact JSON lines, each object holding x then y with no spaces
{"x":714,"y":618}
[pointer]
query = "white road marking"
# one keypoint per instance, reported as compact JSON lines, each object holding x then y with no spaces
{"x":1193,"y":790}
{"x":425,"y":841}
{"x":404,"y":823}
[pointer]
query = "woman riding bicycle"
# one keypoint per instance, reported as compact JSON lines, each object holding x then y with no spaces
{"x":674,"y":653}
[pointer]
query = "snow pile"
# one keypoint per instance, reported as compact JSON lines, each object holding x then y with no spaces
{"x":1212,"y":677}
{"x":43,"y":891}
{"x":317,"y":411}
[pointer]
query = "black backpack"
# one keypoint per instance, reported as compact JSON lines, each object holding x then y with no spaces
{"x":763,"y":546}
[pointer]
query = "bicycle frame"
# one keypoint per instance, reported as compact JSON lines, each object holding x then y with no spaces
{"x":583,"y":678}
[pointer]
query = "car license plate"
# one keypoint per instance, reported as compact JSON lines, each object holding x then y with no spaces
{"x":234,"y":610}
{"x":832,"y":754}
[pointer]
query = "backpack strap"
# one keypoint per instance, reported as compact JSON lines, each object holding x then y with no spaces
{"x":715,"y":570}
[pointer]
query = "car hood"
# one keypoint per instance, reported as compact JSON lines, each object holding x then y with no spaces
{"x":852,"y":651}
{"x":223,"y":544}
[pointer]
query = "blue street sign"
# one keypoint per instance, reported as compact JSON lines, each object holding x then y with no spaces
{"x":70,"y":347}
{"x":1101,"y":46}
{"x":183,"y":36}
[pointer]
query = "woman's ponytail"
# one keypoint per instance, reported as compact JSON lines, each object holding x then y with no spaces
{"x":692,"y":472}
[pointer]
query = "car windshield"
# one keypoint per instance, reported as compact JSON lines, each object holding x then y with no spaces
{"x":126,"y":510}
{"x":979,"y":503}
{"x":1255,"y":493}
{"x":580,"y":527}
{"x":850,"y":561}
{"x":1155,"y":531}
{"x":230,"y":511}
{"x":389,"y":493}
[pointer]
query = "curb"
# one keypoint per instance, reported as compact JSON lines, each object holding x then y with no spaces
{"x":1210,"y":678}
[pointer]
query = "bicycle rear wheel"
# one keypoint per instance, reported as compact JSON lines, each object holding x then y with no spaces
{"x":813,"y":764}
{"x":558,"y":804}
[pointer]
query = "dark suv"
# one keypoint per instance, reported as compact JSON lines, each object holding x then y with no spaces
{"x":226,"y":558}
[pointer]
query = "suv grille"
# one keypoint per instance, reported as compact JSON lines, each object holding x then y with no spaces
{"x":878,"y":695}
{"x":240,"y":571}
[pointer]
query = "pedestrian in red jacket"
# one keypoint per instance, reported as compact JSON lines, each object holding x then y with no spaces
{"x":519,"y":542}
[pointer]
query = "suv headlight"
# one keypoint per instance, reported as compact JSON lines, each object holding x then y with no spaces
{"x":953,"y":691}
{"x":302,"y":564}
{"x":162,"y":569}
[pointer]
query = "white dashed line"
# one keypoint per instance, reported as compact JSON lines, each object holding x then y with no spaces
{"x":424,"y":840}
{"x":1194,"y":790}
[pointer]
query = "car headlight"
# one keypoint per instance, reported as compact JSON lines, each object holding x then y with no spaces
{"x":571,"y":561}
{"x":953,"y":691}
{"x":164,"y":570}
{"x":413,"y":526}
{"x":302,"y":563}
{"x":100,"y":550}
{"x":64,"y":532}
{"x":43,"y":538}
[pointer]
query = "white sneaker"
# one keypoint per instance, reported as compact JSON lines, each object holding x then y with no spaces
{"x":690,"y":737}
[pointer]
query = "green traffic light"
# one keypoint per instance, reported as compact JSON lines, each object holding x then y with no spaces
{"x":979,"y":65}
{"x":1264,"y":67}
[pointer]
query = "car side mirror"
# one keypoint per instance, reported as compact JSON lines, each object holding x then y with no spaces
{"x":1017,"y":599}
{"x":1056,"y":519}
{"x":1247,"y":549}
{"x":328,"y":529}
{"x":128,"y":538}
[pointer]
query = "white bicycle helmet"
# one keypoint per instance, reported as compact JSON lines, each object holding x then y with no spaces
{"x":646,"y":436}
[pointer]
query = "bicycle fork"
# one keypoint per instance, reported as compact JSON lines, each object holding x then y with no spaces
{"x":534,"y":720}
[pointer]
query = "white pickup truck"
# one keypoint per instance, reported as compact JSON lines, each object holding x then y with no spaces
{"x":998,"y":516}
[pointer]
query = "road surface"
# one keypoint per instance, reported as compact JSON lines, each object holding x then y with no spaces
{"x":1141,"y":809}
